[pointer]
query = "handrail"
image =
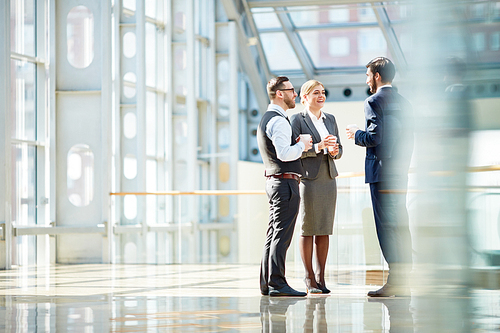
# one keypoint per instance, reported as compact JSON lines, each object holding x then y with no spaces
{"x":201,"y":192}
{"x":484,"y":168}
{"x":350,"y":174}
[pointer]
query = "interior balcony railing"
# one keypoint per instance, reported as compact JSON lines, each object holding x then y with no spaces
{"x":238,"y":238}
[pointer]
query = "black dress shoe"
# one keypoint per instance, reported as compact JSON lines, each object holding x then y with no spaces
{"x":286,"y":291}
{"x":389,"y":290}
{"x":323,"y":288}
{"x":264,"y":292}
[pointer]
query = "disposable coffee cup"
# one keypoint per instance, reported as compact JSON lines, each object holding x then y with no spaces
{"x":334,"y":139}
{"x":306,"y":137}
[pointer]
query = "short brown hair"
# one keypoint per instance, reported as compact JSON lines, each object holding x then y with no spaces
{"x":384,"y":67}
{"x":275,"y":84}
{"x":307,"y":87}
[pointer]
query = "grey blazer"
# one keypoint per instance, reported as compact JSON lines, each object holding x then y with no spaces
{"x":302,"y":124}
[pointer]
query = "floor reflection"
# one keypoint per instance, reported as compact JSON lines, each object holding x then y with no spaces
{"x":235,"y":314}
{"x":199,"y":299}
{"x":399,"y":313}
{"x":273,"y":312}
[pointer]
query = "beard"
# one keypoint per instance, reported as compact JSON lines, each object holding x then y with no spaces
{"x":289,"y":102}
{"x":373,"y":86}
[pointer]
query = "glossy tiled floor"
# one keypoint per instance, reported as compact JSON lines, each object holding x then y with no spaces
{"x":221,"y":298}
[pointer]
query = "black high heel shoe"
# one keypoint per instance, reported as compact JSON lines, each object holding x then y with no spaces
{"x":311,"y":290}
{"x":323,"y":288}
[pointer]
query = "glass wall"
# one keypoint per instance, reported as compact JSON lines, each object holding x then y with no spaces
{"x":178,"y":90}
{"x":28,"y":121}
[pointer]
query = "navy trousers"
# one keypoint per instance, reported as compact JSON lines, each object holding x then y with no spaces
{"x":284,"y":199}
{"x":392,"y":225}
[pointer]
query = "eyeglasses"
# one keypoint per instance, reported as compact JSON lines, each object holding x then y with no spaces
{"x":291,"y":89}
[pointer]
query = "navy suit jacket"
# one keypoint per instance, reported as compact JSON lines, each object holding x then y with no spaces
{"x":302,"y":124}
{"x":388,"y":136}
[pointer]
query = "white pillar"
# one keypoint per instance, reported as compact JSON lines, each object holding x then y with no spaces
{"x":5,"y":149}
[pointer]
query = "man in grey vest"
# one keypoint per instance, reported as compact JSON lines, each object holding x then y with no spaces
{"x":280,"y":153}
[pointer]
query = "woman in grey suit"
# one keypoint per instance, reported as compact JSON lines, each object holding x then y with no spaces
{"x":318,"y":187}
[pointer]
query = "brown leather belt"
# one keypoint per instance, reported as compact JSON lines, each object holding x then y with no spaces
{"x":287,"y":176}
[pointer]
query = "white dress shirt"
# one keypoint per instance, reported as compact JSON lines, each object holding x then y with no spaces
{"x":319,"y":123}
{"x":279,"y":130}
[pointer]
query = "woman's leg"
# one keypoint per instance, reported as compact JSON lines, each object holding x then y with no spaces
{"x":321,"y":251}
{"x":306,"y":252}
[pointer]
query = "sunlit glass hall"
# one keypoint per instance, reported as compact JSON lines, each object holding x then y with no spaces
{"x":133,"y":182}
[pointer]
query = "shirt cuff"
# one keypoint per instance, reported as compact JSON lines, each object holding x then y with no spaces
{"x":302,"y":145}
{"x":316,"y":148}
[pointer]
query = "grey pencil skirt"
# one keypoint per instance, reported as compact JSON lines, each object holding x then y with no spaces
{"x":318,"y":198}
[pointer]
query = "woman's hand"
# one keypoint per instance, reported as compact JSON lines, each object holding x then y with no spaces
{"x":335,"y":150}
{"x":330,"y":142}
{"x":323,"y":144}
{"x":333,"y":147}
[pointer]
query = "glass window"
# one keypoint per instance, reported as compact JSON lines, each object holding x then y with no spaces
{"x":23,"y":27}
{"x":24,"y":189}
{"x":23,"y":100}
{"x":151,"y":8}
{"x":371,"y":44}
{"x":151,"y":55}
{"x":151,"y":123}
{"x":399,"y":12}
{"x":495,"y":41}
{"x":24,"y":201}
{"x":345,"y":47}
{"x":130,"y":206}
{"x":80,"y":37}
{"x":129,"y":80}
{"x":180,"y":131}
{"x":484,"y":41}
{"x":404,"y":35}
{"x":129,"y":44}
{"x":180,"y":60}
{"x":479,"y":41}
{"x":314,"y":15}
{"x":479,"y":10}
{"x":495,"y":9}
{"x":223,"y":70}
{"x":130,"y":125}
{"x":279,"y":53}
{"x":366,"y":14}
{"x":151,"y":183}
{"x":224,"y":137}
{"x":339,"y":15}
{"x":339,"y":46}
{"x":129,"y":4}
{"x":80,"y":175}
{"x":180,"y":22}
{"x":129,"y":166}
{"x":304,"y":16}
{"x":265,"y":18}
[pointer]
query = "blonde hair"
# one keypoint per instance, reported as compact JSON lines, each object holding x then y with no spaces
{"x":307,"y":87}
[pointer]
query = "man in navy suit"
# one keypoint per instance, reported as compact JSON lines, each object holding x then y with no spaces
{"x":388,"y":139}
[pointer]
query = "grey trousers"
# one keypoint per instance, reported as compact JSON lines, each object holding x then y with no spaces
{"x":284,"y":199}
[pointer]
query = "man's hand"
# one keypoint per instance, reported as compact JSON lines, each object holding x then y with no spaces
{"x":351,"y":131}
{"x":306,"y":139}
